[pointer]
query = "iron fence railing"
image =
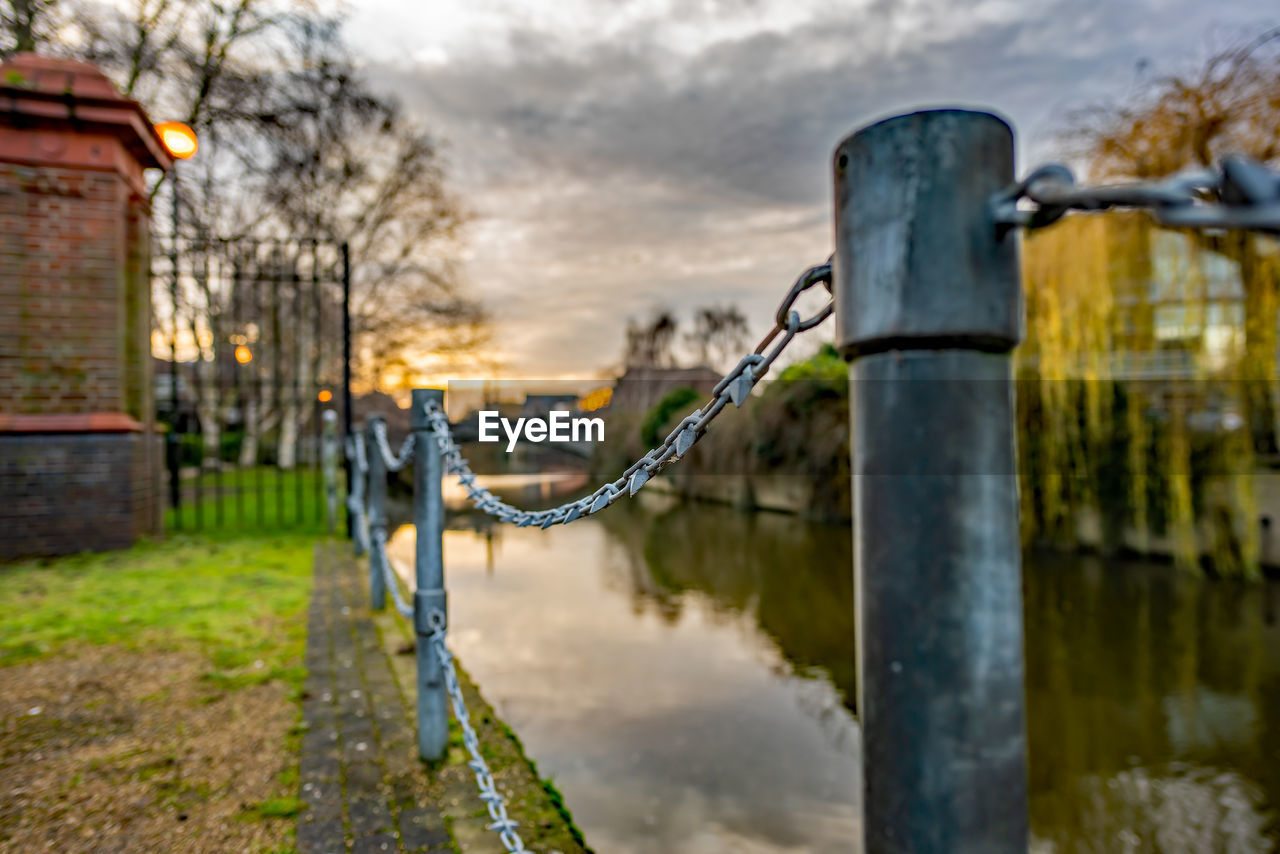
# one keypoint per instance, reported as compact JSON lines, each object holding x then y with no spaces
{"x":258,"y":349}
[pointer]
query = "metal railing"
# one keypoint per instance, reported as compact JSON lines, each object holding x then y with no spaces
{"x":925,"y":286}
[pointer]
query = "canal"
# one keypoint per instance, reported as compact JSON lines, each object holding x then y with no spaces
{"x":685,"y":674}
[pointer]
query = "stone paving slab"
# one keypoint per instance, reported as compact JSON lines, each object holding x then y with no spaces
{"x":358,"y":773}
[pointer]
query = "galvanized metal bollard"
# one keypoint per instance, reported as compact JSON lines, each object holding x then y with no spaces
{"x":377,"y":504}
{"x":929,"y":306}
{"x":329,"y":466}
{"x":358,"y":486}
{"x":430,"y":606}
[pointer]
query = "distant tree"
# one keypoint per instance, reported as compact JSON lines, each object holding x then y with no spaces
{"x":24,"y":24}
{"x":651,"y":343}
{"x":1231,"y":104}
{"x":719,"y":335}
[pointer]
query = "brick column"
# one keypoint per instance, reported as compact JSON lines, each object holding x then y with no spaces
{"x":80,"y":462}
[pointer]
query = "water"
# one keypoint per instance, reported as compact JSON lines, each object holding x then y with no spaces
{"x":685,"y":674}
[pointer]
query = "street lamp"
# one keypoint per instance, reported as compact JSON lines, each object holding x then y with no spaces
{"x":180,"y":141}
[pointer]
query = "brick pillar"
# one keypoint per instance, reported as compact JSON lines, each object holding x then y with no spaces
{"x":80,"y":461}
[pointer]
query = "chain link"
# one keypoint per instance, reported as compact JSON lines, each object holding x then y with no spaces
{"x":378,"y":554}
{"x":493,"y":800}
{"x":1240,"y":193}
{"x":394,"y":462}
{"x":734,"y":387}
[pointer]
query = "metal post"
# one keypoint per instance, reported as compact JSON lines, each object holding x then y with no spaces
{"x":928,"y":302}
{"x":329,"y":466}
{"x":429,"y":597}
{"x":377,"y":510}
{"x":358,"y":487}
{"x":347,"y":427}
{"x":171,"y":440}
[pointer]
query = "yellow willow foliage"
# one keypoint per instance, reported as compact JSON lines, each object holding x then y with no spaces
{"x":1068,"y":309}
{"x":1182,"y":519}
{"x":1134,"y":337}
{"x":1139,"y":436}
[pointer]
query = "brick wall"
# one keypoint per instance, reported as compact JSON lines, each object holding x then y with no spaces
{"x":70,"y":492}
{"x":62,"y":252}
{"x":80,"y":461}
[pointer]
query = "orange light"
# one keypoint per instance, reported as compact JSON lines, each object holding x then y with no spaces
{"x":596,"y":400}
{"x":244,"y":355}
{"x":325,"y":395}
{"x":179,"y":140}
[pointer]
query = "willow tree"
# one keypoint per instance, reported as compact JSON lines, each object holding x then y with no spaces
{"x":1149,"y":374}
{"x":1229,"y":105}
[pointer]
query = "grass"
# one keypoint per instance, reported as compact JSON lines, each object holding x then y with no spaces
{"x":238,"y":600}
{"x":277,"y":808}
{"x":254,"y":500}
{"x":235,"y":604}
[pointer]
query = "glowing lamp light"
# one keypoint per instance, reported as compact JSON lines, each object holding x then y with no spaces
{"x":179,"y":140}
{"x":325,"y":395}
{"x":596,"y":400}
{"x":244,"y":355}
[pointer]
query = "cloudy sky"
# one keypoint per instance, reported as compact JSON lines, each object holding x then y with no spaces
{"x":629,"y":155}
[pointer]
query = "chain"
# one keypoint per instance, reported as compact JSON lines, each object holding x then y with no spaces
{"x":394,"y":462}
{"x":733,"y":388}
{"x":379,"y":554}
{"x":502,"y":823}
{"x":1240,"y":193}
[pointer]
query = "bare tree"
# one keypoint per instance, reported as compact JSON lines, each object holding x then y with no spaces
{"x":719,"y":334}
{"x":651,"y":343}
{"x":337,"y":159}
{"x":294,"y":144}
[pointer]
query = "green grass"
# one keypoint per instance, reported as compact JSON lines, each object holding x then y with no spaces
{"x":260,"y":499}
{"x":238,"y":599}
{"x":276,"y":808}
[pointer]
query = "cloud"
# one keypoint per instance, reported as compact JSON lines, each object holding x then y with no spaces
{"x":677,"y":154}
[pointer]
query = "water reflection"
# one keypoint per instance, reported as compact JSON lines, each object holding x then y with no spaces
{"x":1153,"y":709}
{"x":686,"y":675}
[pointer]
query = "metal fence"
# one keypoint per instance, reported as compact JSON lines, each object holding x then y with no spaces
{"x":925,"y":286}
{"x":257,"y":333}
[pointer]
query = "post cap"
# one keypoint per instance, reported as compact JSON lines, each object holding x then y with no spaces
{"x":417,"y":410}
{"x":60,"y":99}
{"x":918,"y":264}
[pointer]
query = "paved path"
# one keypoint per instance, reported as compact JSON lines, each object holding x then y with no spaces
{"x":360,"y":777}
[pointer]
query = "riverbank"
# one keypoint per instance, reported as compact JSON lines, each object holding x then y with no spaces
{"x":441,"y":795}
{"x":805,"y":495}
